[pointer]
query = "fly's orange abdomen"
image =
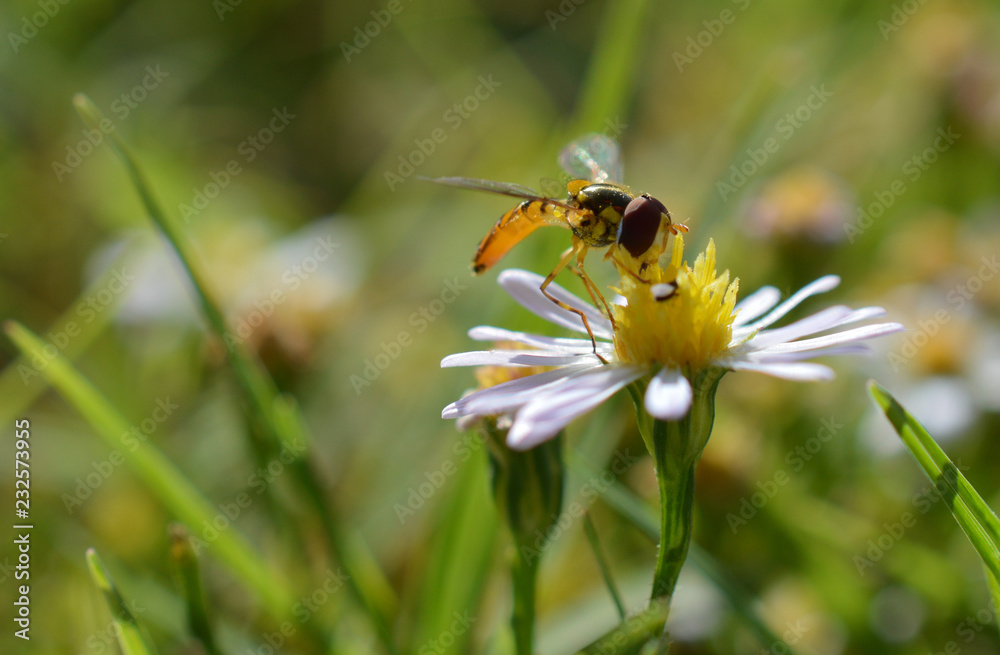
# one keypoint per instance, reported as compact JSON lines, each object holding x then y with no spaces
{"x":512,"y":228}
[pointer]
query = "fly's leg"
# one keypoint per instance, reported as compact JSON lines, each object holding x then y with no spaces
{"x":577,"y":248}
{"x":591,"y":288}
{"x":622,"y":267}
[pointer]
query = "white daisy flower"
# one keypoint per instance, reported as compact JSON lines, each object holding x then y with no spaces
{"x":678,"y":323}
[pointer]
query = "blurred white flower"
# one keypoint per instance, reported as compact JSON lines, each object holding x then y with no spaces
{"x":286,"y":290}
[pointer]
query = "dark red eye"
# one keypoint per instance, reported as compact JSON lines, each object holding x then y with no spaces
{"x":640,"y":223}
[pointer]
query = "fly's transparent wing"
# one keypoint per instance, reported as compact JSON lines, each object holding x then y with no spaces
{"x":503,"y":188}
{"x":593,"y":157}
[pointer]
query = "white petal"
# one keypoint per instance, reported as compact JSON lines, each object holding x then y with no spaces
{"x":507,"y":396}
{"x":525,"y":288}
{"x":551,"y":411}
{"x":768,"y":337}
{"x":451,"y":411}
{"x":818,"y":322}
{"x":821,"y":285}
{"x":517,"y":358}
{"x":862,"y":314}
{"x":668,"y":396}
{"x":487,"y":333}
{"x":765,"y":357}
{"x":857,"y":334}
{"x":800,"y":371}
{"x":756,"y":304}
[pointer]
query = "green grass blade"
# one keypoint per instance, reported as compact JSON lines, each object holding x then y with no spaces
{"x":93,"y":117}
{"x":158,"y":473}
{"x":994,"y":587}
{"x":185,"y":562}
{"x":268,"y":426}
{"x":636,"y":511}
{"x":132,"y":638}
{"x":941,"y":462}
{"x":973,"y":515}
{"x":254,"y":381}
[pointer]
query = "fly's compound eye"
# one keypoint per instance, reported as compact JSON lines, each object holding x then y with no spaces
{"x":640,"y":223}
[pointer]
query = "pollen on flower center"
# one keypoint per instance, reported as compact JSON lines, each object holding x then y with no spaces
{"x":675,"y":315}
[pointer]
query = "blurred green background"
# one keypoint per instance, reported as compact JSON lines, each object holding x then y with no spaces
{"x":853,"y":138}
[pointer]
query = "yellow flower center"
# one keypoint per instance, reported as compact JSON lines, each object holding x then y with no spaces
{"x":676,"y":315}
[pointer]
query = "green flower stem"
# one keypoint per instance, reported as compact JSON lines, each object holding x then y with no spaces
{"x":524,"y":573}
{"x":677,"y":446}
{"x":631,"y":636}
{"x":528,"y":490}
{"x":676,"y":485}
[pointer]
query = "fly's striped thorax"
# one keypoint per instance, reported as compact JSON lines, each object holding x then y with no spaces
{"x":603,"y":206}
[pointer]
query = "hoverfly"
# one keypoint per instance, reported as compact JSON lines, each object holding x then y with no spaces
{"x":600,"y":211}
